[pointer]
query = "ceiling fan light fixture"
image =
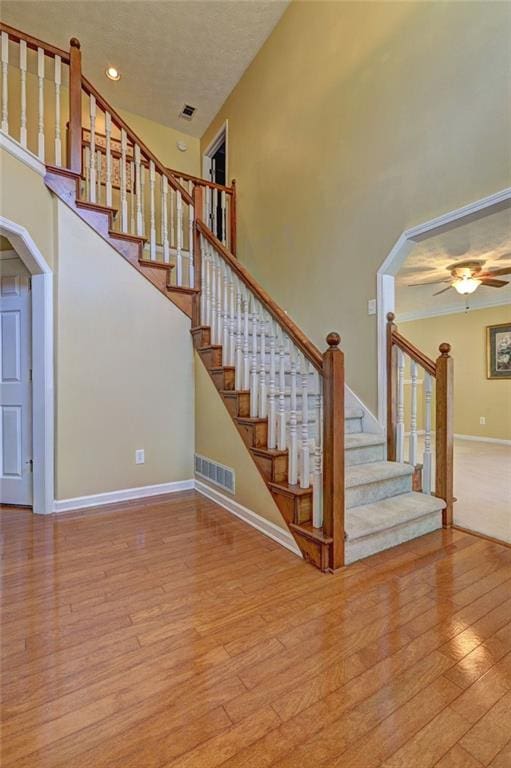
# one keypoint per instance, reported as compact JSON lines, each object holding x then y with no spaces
{"x":465,"y":285}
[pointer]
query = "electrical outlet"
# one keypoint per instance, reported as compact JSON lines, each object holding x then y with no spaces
{"x":371,"y":307}
{"x":482,"y":420}
{"x":139,"y":456}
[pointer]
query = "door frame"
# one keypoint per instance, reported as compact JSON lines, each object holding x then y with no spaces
{"x":221,"y":135}
{"x":42,"y":364}
{"x":386,"y":301}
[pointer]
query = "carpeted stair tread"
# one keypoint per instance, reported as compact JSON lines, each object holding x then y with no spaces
{"x":374,"y":472}
{"x":389,"y":513}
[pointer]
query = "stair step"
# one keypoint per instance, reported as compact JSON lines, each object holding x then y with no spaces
{"x":295,"y":503}
{"x":237,"y":402}
{"x":223,"y":377}
{"x":315,"y":546}
{"x":155,"y":264}
{"x":367,"y":483}
{"x":272,"y":463}
{"x":363,"y":448}
{"x":386,"y":523}
{"x":254,"y":431}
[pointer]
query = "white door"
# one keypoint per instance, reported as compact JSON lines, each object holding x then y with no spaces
{"x":15,"y":384}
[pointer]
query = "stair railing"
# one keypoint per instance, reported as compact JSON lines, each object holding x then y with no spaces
{"x":28,"y":63}
{"x":296,"y":388}
{"x":432,"y":382}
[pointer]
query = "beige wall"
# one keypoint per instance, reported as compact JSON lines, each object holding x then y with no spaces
{"x":474,"y":394}
{"x":124,"y":372}
{"x":354,"y":122}
{"x":217,"y":438}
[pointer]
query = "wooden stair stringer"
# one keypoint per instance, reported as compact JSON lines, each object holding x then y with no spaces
{"x":294,"y":503}
{"x":64,"y":183}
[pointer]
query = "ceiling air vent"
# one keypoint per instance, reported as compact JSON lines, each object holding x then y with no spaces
{"x":187,"y":112}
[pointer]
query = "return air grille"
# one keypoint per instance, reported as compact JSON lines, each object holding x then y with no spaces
{"x":215,"y":473}
{"x":187,"y":112}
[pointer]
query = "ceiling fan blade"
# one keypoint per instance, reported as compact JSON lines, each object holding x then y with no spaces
{"x":494,"y":283}
{"x":442,"y":291}
{"x":495,"y":272}
{"x":430,"y":282}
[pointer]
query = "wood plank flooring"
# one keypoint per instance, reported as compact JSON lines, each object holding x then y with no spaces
{"x":168,"y":634}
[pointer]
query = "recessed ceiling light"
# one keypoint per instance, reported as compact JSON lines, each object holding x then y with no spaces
{"x":113,"y":74}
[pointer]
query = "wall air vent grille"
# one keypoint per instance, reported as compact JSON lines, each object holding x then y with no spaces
{"x":187,"y":112}
{"x":215,"y":473}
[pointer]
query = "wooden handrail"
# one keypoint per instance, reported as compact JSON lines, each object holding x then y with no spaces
{"x":34,"y":43}
{"x":309,"y":349}
{"x":202,"y":182}
{"x":117,"y":119}
{"x":412,"y":351}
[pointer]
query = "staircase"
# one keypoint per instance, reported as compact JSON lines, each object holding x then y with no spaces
{"x":345,"y":492}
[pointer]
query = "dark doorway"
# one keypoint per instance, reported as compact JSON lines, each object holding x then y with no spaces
{"x":217,"y":173}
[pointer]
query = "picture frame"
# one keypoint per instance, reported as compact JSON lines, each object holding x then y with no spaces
{"x":498,"y":351}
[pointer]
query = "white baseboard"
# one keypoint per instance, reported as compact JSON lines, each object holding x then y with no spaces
{"x":112,"y":497}
{"x":275,"y":532}
{"x":476,"y":438}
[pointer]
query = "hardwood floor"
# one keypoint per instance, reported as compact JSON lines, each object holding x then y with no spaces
{"x":168,"y":633}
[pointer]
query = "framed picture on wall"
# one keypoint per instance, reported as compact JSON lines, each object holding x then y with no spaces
{"x":498,"y":351}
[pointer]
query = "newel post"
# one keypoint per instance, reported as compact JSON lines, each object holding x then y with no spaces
{"x":444,"y":432}
{"x":197,"y":255}
{"x":391,"y":388}
{"x":74,"y":134}
{"x":333,"y":466}
{"x":233,"y":218}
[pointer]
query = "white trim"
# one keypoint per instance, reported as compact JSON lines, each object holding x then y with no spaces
{"x":274,"y":532}
{"x":113,"y":497}
{"x":221,"y":135}
{"x":406,"y":317}
{"x":42,"y":364}
{"x":477,"y":439}
{"x":369,"y":421}
{"x":398,"y":253}
{"x":21,"y":153}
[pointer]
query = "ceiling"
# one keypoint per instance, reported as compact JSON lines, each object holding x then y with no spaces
{"x":170,"y":52}
{"x":487,"y":238}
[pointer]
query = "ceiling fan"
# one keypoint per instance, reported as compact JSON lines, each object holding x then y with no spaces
{"x":467,"y":276}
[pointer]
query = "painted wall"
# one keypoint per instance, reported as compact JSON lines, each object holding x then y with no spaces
{"x":354,"y":122}
{"x":217,"y":438}
{"x":116,"y":392}
{"x":474,"y":394}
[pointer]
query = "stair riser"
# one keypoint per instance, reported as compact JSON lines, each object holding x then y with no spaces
{"x":212,"y":358}
{"x":297,"y":509}
{"x":99,"y":221}
{"x":274,"y":468}
{"x":369,"y":492}
{"x":364,"y":455}
{"x":201,"y":337}
{"x":237,"y":405}
{"x":254,"y":435}
{"x":313,"y":552}
{"x":352,"y":426}
{"x":369,"y":545}
{"x":223,"y":380}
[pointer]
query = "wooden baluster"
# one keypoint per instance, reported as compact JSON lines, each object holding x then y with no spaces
{"x":5,"y":82}
{"x":165,"y":218}
{"x":281,"y":409}
{"x":400,"y":427}
{"x":391,"y":389}
{"x":139,"y":191}
{"x":317,"y":479}
{"x":74,"y":139}
{"x":246,"y":326}
{"x":219,"y":308}
{"x":179,"y":245}
{"x":444,"y":432}
{"x":190,"y":246}
{"x":412,"y":453}
{"x":272,"y":389}
{"x":232,"y":320}
{"x":238,"y":363}
{"x":152,"y":214}
{"x":172,"y":217}
{"x":40,"y":89}
{"x":92,"y":154}
{"x":262,"y":395}
{"x":305,"y":469}
{"x":333,"y":454}
{"x":426,"y":461}
{"x":98,"y":175}
{"x":225,"y":315}
{"x":253,"y":362}
{"x":58,"y":139}
{"x":23,"y":92}
{"x":293,"y":421}
{"x":232,"y":216}
{"x":124,"y":201}
{"x":108,"y":159}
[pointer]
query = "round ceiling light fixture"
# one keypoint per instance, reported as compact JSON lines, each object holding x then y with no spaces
{"x":112,"y":73}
